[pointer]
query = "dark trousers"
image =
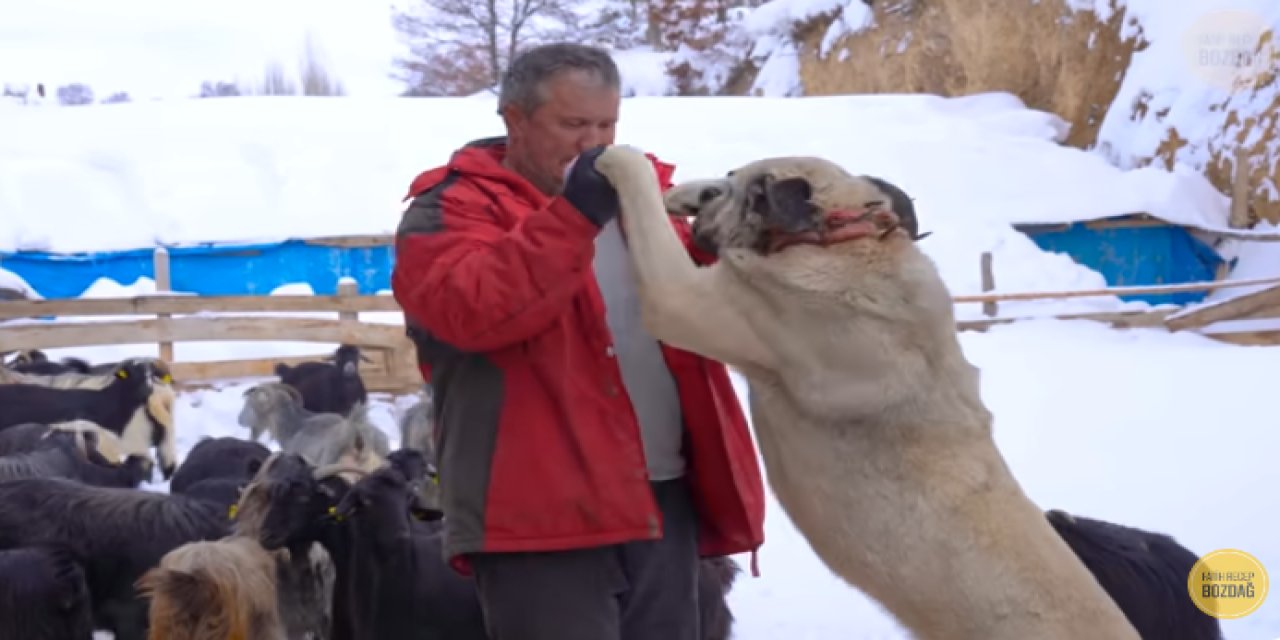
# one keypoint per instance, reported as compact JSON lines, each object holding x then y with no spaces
{"x":633,"y":591}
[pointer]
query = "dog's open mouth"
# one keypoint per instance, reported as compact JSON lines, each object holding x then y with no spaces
{"x":839,"y":226}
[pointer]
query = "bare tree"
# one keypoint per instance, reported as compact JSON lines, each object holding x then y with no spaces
{"x":313,"y":70}
{"x":219,"y":89}
{"x":275,"y":81}
{"x":314,"y":78}
{"x":76,"y":93}
{"x":473,"y":37}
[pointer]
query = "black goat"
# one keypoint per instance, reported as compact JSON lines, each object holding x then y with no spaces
{"x":303,"y":510}
{"x":115,"y":534}
{"x":59,"y":455}
{"x":302,"y":501}
{"x":43,"y":596}
{"x":24,"y":438}
{"x":405,"y":585}
{"x":331,"y":386}
{"x":225,"y":492}
{"x":110,"y":407}
{"x":35,"y":361}
{"x":215,"y":458}
{"x":1144,"y":572}
{"x":296,"y":516}
{"x":716,"y":576}
{"x":124,"y":407}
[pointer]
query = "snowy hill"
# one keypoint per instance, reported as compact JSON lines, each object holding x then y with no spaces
{"x":1143,"y":81}
{"x":113,"y":177}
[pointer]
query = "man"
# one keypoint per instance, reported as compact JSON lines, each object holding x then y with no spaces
{"x":584,"y":467}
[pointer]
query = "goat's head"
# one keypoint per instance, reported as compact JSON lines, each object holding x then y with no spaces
{"x":29,"y":356}
{"x":289,"y":499}
{"x":134,"y":378}
{"x":392,"y":494}
{"x":418,"y":469}
{"x":348,"y":358}
{"x":266,"y":403}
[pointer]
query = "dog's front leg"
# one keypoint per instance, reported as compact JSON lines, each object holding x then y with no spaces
{"x":680,"y":303}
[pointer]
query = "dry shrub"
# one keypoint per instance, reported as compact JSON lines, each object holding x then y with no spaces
{"x":458,"y":70}
{"x":1249,"y":123}
{"x":1052,"y":57}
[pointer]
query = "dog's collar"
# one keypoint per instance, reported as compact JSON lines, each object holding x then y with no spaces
{"x":841,"y":225}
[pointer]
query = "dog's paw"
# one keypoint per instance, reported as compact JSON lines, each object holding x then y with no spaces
{"x":622,"y":164}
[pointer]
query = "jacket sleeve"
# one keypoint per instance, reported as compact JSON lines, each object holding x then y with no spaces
{"x":479,"y":287}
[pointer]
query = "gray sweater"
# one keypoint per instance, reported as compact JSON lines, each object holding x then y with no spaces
{"x":649,"y":383}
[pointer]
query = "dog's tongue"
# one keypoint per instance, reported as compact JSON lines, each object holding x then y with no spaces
{"x":781,"y":241}
{"x":847,"y":229}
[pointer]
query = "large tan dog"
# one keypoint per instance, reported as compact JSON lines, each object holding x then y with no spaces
{"x":874,"y":436}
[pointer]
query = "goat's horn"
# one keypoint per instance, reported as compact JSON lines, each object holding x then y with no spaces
{"x":334,"y":469}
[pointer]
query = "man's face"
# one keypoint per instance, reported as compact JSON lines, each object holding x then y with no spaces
{"x":579,"y":113}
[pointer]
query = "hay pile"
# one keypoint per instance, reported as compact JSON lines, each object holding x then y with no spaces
{"x":1052,"y":57}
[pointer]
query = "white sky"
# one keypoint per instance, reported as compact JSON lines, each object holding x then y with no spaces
{"x":166,"y":48}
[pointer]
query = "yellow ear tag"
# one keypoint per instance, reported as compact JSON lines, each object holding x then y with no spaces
{"x":231,"y":513}
{"x":166,"y":378}
{"x":122,"y":374}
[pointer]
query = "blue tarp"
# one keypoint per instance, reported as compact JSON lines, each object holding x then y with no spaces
{"x":1126,"y":256}
{"x":211,"y":270}
{"x":1136,"y":256}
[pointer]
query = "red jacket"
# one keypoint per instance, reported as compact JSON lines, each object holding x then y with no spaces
{"x":538,"y":447}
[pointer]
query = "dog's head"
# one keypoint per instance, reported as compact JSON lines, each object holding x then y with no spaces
{"x":800,"y":198}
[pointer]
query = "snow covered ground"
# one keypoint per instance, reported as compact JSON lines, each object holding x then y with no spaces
{"x":1174,"y":433}
{"x":1168,"y":432}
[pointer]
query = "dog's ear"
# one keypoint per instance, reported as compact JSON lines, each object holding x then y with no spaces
{"x":902,"y":205}
{"x":784,"y":204}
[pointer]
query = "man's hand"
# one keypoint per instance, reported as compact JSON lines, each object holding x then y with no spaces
{"x":589,"y":191}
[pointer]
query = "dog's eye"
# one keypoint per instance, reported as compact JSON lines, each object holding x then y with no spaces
{"x":708,"y":194}
{"x":873,"y":204}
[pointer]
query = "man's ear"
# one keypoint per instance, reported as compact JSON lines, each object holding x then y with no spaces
{"x":514,"y":118}
{"x":784,"y":204}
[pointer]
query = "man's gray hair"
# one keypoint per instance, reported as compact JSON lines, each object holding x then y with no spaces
{"x":522,"y":84}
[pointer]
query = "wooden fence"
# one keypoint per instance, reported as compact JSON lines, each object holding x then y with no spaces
{"x":165,"y":319}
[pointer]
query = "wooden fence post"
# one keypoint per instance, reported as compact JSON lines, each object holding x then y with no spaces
{"x":160,"y":268}
{"x":988,"y":284}
{"x":348,"y":288}
{"x":1239,"y":216}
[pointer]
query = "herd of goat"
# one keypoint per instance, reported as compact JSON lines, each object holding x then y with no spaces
{"x":331,"y":536}
{"x":334,"y":536}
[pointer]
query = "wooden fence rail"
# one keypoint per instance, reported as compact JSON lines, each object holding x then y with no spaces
{"x":167,"y":319}
{"x":177,"y":319}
